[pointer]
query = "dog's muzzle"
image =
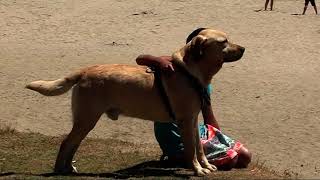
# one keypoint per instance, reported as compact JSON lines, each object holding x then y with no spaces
{"x":233,"y":54}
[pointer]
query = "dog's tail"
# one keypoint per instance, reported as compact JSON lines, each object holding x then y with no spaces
{"x":56,"y":87}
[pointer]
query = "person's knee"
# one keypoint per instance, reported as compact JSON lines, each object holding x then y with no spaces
{"x":244,"y":158}
{"x":228,"y":165}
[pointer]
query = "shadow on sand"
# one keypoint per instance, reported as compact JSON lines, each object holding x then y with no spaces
{"x":145,"y":169}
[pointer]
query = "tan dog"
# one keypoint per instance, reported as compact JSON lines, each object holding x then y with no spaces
{"x":129,"y":90}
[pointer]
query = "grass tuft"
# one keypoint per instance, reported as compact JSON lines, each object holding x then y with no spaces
{"x":6,"y":130}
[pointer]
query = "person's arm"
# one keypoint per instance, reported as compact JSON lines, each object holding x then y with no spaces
{"x":163,"y":62}
{"x":208,"y":117}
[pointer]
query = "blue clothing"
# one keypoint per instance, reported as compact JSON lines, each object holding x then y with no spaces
{"x":169,"y":139}
{"x":168,"y":135}
{"x":216,"y":143}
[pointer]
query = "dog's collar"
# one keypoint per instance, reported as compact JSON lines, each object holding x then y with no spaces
{"x":196,"y":83}
{"x":201,"y":90}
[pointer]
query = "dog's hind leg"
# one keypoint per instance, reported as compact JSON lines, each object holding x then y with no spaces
{"x":85,"y":116}
{"x":113,"y":113}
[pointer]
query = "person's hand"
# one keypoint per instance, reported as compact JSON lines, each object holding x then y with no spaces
{"x":162,"y":62}
{"x":166,"y":64}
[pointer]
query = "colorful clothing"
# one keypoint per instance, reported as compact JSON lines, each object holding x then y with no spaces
{"x":168,"y":136}
{"x":218,"y":147}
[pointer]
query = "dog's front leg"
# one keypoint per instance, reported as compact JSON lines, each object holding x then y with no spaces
{"x":200,"y":152}
{"x":189,"y":128}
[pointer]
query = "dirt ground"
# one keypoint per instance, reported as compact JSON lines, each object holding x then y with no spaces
{"x":269,"y":100}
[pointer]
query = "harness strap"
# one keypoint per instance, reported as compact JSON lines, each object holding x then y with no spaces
{"x":202,"y":91}
{"x":163,"y":93}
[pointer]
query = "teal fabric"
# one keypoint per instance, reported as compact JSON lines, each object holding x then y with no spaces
{"x":218,"y":145}
{"x":169,"y":139}
{"x":209,"y":89}
{"x":168,"y":135}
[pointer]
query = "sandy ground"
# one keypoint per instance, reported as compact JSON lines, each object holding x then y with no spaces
{"x":269,"y":100}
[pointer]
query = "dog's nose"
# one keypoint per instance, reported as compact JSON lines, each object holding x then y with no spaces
{"x":242,"y":49}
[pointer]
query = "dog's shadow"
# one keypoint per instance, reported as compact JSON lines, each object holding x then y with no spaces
{"x":145,"y":169}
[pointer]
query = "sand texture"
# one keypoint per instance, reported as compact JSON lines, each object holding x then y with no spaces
{"x":270,"y":100}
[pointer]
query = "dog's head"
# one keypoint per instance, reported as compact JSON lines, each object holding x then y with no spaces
{"x":208,"y":49}
{"x":211,"y":43}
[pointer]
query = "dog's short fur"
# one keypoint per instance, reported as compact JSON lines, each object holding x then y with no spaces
{"x":129,"y":90}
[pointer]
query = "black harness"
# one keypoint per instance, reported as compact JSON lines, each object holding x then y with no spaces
{"x":195,"y":83}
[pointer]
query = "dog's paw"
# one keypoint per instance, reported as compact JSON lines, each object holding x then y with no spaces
{"x":205,"y":164}
{"x":202,"y":171}
{"x":74,"y":168}
{"x":212,"y":167}
{"x":63,"y":170}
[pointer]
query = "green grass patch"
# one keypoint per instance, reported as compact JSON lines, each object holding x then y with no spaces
{"x":32,"y":156}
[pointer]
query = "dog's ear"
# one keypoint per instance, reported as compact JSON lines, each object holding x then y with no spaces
{"x":196,"y":46}
{"x":192,"y":50}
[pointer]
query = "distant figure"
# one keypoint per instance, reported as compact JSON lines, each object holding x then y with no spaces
{"x":266,"y":5}
{"x":306,"y":6}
